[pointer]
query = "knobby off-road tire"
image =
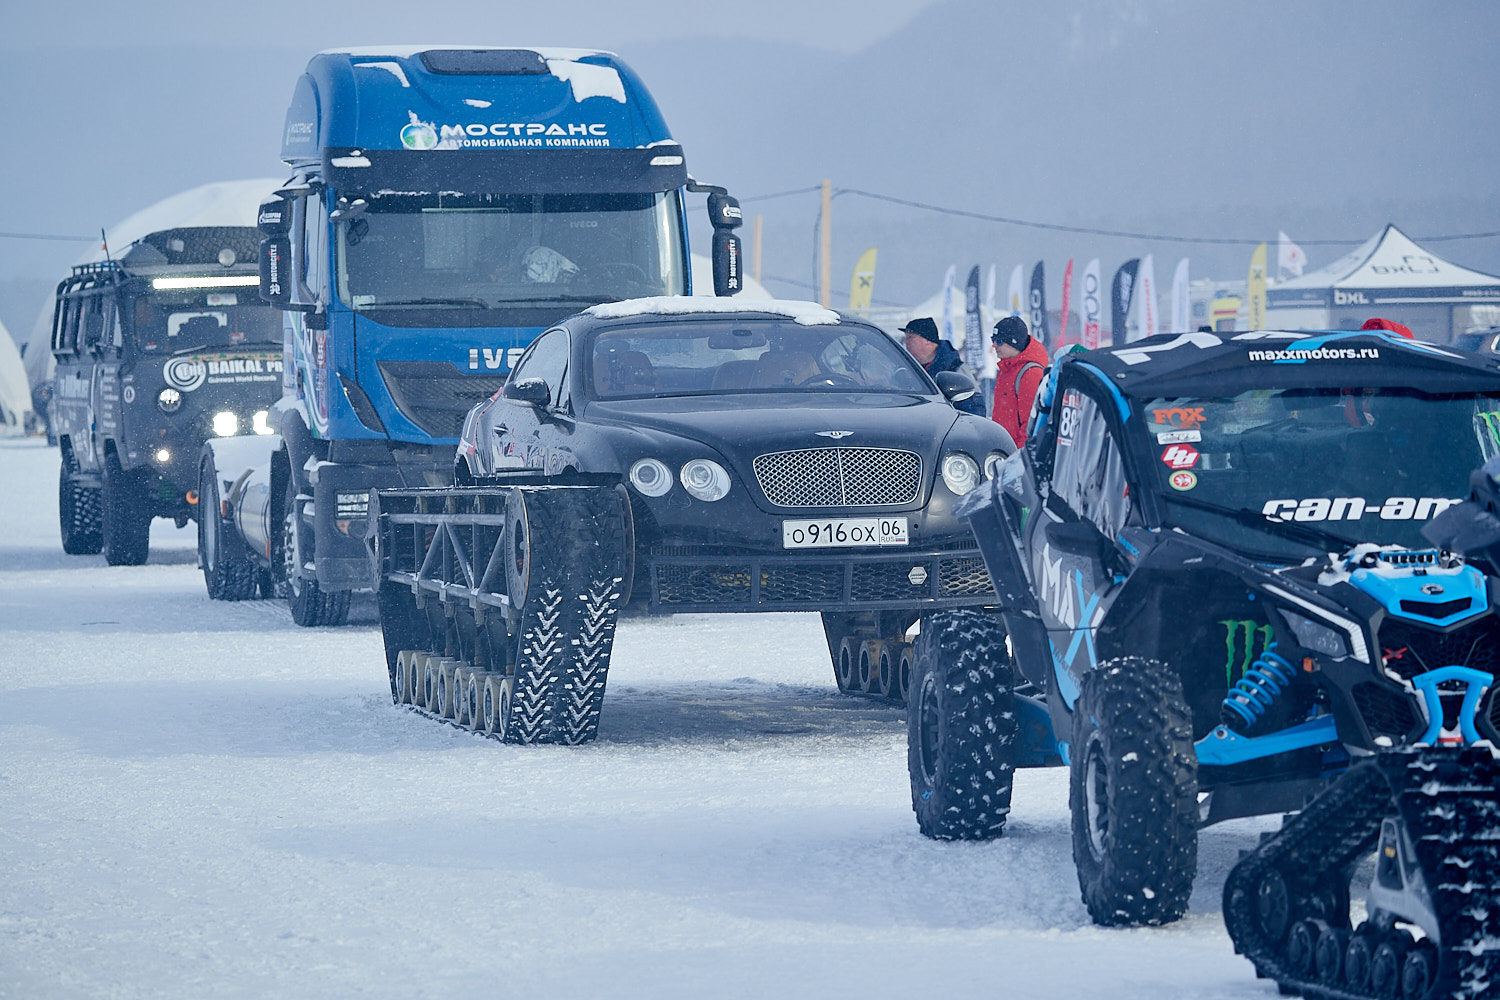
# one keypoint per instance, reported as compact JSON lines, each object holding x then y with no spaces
{"x":80,"y":511}
{"x":227,"y":577}
{"x":566,"y":575}
{"x":310,"y":604}
{"x":126,"y":519}
{"x":1133,"y":793}
{"x":961,"y":727}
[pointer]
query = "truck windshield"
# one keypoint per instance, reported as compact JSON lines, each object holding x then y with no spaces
{"x":168,"y":322}
{"x":1367,"y":465}
{"x":492,"y":251}
{"x":737,"y":356}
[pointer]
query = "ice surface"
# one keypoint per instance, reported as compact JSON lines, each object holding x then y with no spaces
{"x":203,"y":800}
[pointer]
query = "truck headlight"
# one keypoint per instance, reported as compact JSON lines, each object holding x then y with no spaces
{"x":960,"y":472}
{"x":163,"y":456}
{"x":169,"y":401}
{"x":226,"y":424}
{"x":260,"y":422}
{"x":705,"y":479}
{"x":651,"y":476}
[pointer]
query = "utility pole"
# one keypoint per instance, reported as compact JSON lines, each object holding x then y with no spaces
{"x":755,"y":251}
{"x":825,"y":253}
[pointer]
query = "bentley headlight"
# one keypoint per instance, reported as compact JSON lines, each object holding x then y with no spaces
{"x":651,"y":476}
{"x":992,"y":463}
{"x":169,"y":400}
{"x":705,"y":480}
{"x":226,"y":424}
{"x":960,"y":472}
{"x":260,"y":423}
{"x":1316,"y":636}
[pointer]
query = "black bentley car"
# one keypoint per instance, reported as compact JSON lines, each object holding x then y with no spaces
{"x":778,"y":456}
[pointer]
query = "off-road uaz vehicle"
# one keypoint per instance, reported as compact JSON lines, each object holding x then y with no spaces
{"x":1213,"y":595}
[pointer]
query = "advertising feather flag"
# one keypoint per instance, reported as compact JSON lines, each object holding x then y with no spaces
{"x":1182,"y":305}
{"x":1037,"y":305}
{"x":1090,"y":304}
{"x":1122,"y":293}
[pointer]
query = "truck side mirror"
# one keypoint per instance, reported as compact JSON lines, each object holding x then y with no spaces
{"x":275,"y":217}
{"x":275,"y":271}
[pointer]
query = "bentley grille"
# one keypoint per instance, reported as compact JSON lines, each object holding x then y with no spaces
{"x":840,"y":477}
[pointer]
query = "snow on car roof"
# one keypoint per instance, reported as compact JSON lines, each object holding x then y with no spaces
{"x":804,"y":313}
{"x":1210,"y":363}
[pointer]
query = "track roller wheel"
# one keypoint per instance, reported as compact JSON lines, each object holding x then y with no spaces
{"x":886,"y":669}
{"x":421,"y":679}
{"x":442,"y":673}
{"x":1359,"y":957}
{"x":1273,"y":906}
{"x":401,"y":682}
{"x":1388,"y":964}
{"x":846,"y":667}
{"x":494,"y":705}
{"x":1302,"y":947}
{"x":1419,"y":971}
{"x":1329,"y":955}
{"x":473,"y":692}
{"x":903,"y":673}
{"x":458,"y":705}
{"x":868,"y":671}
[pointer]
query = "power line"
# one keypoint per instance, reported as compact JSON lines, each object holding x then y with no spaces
{"x":45,"y":236}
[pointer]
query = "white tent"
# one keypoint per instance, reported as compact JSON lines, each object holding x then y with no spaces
{"x":1392,"y":277}
{"x":15,"y":393}
{"x":224,"y":203}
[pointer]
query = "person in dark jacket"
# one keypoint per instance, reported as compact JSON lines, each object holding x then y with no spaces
{"x":937,"y":355}
{"x":1023,"y":362}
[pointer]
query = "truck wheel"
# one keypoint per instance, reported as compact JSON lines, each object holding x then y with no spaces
{"x":961,"y":727}
{"x":79,"y":511}
{"x":1133,"y":793}
{"x":228,"y":578}
{"x":310,"y":605}
{"x":127,"y":520}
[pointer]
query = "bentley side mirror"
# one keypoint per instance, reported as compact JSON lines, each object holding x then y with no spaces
{"x":956,"y":386}
{"x":528,"y":390}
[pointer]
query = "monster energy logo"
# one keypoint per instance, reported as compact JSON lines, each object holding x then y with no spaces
{"x":1244,"y":641}
{"x":1488,"y":421}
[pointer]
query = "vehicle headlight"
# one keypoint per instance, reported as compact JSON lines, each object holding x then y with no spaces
{"x":169,"y":401}
{"x":705,"y":479}
{"x":992,"y":463}
{"x":1315,"y":635}
{"x":226,"y":424}
{"x":651,"y":476}
{"x":260,"y":422}
{"x":960,"y":472}
{"x":163,"y":456}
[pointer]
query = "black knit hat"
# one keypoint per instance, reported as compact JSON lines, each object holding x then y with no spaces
{"x":923,"y":326}
{"x":1011,"y":330}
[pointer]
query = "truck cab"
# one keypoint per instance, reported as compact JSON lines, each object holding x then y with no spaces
{"x":446,"y":205}
{"x":158,"y":348}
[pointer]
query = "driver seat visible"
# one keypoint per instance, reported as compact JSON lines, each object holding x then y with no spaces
{"x":782,"y":368}
{"x":626,"y":371}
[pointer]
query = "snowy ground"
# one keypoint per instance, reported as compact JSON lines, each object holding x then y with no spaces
{"x":202,"y":800}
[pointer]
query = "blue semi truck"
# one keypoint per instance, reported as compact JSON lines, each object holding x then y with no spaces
{"x":446,"y":205}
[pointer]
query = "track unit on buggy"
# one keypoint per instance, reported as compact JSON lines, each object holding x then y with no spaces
{"x":1216,"y":596}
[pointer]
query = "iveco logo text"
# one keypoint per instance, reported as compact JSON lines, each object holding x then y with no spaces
{"x":494,"y":359}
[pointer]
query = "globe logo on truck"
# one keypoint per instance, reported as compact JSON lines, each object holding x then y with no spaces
{"x":419,"y":135}
{"x":185,"y":373}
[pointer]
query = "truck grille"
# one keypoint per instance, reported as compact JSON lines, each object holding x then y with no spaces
{"x":839,"y":477}
{"x":435,"y":395}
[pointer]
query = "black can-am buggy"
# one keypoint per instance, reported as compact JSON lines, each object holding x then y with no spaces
{"x":1216,"y":595}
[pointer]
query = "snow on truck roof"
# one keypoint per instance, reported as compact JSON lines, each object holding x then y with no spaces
{"x":803,"y":313}
{"x":1210,"y":364}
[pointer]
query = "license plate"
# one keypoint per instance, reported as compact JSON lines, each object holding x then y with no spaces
{"x":838,"y":532}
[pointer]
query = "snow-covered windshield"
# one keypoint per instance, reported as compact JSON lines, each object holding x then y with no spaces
{"x":487,"y":251}
{"x":736,"y":355}
{"x":1367,"y":465}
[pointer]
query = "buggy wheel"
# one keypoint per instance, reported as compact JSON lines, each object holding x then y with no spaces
{"x":961,"y":727}
{"x":1133,"y":793}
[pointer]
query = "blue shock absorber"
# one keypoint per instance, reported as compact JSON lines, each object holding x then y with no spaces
{"x":1254,"y":694}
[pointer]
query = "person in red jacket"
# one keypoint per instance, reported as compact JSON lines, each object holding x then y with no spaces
{"x":1023,"y":362}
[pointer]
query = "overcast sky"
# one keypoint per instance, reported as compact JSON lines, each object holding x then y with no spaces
{"x":839,"y":25}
